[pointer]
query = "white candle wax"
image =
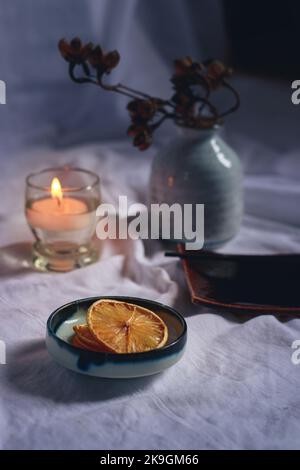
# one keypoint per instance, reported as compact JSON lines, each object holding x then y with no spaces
{"x":54,"y":215}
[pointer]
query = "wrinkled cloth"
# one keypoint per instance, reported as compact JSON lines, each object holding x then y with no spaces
{"x":235,"y":387}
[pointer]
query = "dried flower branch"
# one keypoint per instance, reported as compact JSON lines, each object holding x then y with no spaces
{"x":190,"y":106}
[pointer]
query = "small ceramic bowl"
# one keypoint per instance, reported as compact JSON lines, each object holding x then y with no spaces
{"x":60,"y":331}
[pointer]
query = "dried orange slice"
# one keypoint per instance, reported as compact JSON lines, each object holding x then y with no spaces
{"x":79,"y":344}
{"x":84,"y":339}
{"x":121,"y":327}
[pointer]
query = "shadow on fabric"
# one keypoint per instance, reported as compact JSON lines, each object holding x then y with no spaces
{"x":15,"y":259}
{"x":30,"y":370}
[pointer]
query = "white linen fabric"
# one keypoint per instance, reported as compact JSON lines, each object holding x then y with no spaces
{"x":236,"y":387}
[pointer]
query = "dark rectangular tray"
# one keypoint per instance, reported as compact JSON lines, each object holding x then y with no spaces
{"x":244,"y":283}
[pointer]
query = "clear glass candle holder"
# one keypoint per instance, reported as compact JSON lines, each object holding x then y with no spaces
{"x":60,"y":209}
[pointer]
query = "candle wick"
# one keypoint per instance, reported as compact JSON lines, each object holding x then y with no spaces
{"x":58,"y":201}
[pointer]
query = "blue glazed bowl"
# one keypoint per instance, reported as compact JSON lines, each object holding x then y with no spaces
{"x":60,"y":331}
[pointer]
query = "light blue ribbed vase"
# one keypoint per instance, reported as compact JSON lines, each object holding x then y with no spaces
{"x":200,"y":168}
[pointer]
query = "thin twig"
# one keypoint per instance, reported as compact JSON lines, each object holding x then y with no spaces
{"x":237,"y":100}
{"x":190,"y":115}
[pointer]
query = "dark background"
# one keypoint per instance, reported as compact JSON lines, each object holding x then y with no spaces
{"x":264,"y":36}
{"x":44,"y":108}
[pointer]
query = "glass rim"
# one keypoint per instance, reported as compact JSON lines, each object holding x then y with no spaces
{"x":31,"y":184}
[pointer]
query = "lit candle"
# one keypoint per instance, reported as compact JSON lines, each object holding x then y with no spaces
{"x":59,"y":212}
{"x":60,"y":205}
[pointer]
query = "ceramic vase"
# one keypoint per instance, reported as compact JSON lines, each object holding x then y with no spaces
{"x":198,"y":167}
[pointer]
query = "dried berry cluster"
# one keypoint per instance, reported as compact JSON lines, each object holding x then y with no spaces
{"x":77,"y":53}
{"x":193,"y":85}
{"x":142,"y":113}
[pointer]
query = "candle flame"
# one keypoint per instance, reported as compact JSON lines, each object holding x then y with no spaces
{"x":56,"y":191}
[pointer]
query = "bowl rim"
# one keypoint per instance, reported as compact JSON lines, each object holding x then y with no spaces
{"x":126,"y":356}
